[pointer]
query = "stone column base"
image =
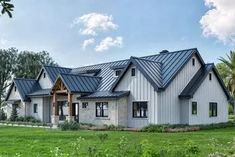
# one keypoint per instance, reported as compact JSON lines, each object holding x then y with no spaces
{"x":70,"y":118}
{"x":55,"y":119}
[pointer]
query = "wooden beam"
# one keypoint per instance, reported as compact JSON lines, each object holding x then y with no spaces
{"x":55,"y":109}
{"x":70,"y":102}
{"x":61,"y":91}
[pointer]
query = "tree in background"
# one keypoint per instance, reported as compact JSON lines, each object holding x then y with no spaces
{"x":29,"y":63}
{"x":22,"y":65}
{"x":14,"y":113}
{"x":227,"y":71}
{"x":7,"y":68}
{"x":7,"y":7}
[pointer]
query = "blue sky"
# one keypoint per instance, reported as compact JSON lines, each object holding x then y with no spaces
{"x":130,"y":28}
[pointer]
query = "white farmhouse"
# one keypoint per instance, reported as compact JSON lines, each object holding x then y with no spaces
{"x":166,"y":88}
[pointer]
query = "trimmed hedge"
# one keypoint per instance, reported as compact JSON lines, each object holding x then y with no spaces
{"x":69,"y":126}
{"x":185,"y":128}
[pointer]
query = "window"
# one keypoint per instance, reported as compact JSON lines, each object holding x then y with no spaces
{"x":84,"y":104}
{"x":193,"y":61}
{"x":133,"y":72}
{"x":194,"y":108}
{"x":210,"y":76}
{"x":35,"y":108}
{"x":44,"y":75}
{"x":213,"y":109}
{"x":102,"y":109}
{"x":15,"y":88}
{"x":117,"y":72}
{"x":140,"y":110}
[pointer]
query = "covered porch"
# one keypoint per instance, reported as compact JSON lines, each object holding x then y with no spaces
{"x":65,"y":93}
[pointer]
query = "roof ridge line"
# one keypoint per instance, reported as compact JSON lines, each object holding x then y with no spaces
{"x":56,"y":66}
{"x":79,"y":75}
{"x":25,"y":79}
{"x":146,"y":59}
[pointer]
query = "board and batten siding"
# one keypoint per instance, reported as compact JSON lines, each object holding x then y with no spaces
{"x":45,"y":83}
{"x":209,"y":91}
{"x":169,"y":104}
{"x":15,"y":95}
{"x":140,"y":90}
{"x":39,"y":102}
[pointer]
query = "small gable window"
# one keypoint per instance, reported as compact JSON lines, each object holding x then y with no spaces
{"x":117,"y":72}
{"x":44,"y":75}
{"x":84,"y":104}
{"x":210,"y":76}
{"x":15,"y":88}
{"x":194,"y":108}
{"x":133,"y":72}
{"x":193,"y":61}
{"x":35,"y":108}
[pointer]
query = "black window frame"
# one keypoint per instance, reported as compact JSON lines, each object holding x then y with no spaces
{"x":15,"y":89}
{"x":84,"y":105}
{"x":141,"y":107}
{"x":210,"y":76}
{"x":194,"y":108}
{"x":213,"y":109}
{"x":44,"y":75}
{"x":118,"y":72}
{"x":193,"y":62}
{"x":100,"y":110}
{"x":35,"y":108}
{"x":133,"y":72}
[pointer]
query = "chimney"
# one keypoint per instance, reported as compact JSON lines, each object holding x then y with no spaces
{"x":164,"y":51}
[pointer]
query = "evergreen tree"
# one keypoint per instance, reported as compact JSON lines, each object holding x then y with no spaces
{"x":14,"y":114}
{"x":2,"y":115}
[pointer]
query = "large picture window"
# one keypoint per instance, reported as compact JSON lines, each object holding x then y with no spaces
{"x":101,"y":109}
{"x":213,"y":109}
{"x":140,"y":109}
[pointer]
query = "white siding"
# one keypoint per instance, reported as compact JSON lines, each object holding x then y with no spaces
{"x":46,"y":109}
{"x":168,"y":102}
{"x":45,"y":83}
{"x":38,"y":101}
{"x":15,"y":95}
{"x":140,"y":90}
{"x":184,"y":112}
{"x":209,"y":91}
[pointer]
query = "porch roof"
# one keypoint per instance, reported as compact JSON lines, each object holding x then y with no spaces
{"x":41,"y":92}
{"x":106,"y":94}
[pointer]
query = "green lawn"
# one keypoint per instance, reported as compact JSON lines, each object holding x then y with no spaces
{"x":39,"y":142}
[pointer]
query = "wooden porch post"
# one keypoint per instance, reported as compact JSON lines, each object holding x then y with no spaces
{"x":70,"y":103}
{"x":55,"y":105}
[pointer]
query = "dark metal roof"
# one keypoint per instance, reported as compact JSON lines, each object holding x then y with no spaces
{"x":53,"y":72}
{"x":24,"y":86}
{"x":152,"y":70}
{"x":41,"y":92}
{"x":106,"y":94}
{"x":80,"y":83}
{"x":197,"y":80}
{"x":172,"y":63}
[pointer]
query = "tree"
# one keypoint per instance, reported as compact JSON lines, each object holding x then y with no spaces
{"x":7,"y":62}
{"x":229,"y":73}
{"x":29,"y":63}
{"x":7,"y":7}
{"x":223,"y":71}
{"x":14,"y":113}
{"x":3,"y":115}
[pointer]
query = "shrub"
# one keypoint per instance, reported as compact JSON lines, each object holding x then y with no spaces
{"x":113,"y":127}
{"x":3,"y":115}
{"x":69,"y":126}
{"x":155,"y":128}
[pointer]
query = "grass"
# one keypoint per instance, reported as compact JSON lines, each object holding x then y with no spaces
{"x":39,"y":142}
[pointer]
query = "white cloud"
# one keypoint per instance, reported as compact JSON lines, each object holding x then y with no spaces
{"x":3,"y":42}
{"x":219,"y":20}
{"x":109,"y":42}
{"x":93,"y":22}
{"x":87,"y":43}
